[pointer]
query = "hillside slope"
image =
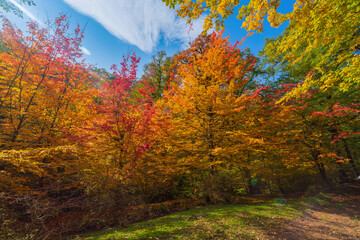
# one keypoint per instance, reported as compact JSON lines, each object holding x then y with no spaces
{"x":328,"y":216}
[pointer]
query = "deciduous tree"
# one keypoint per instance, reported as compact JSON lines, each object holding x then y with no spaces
{"x":45,"y":92}
{"x":206,"y":106}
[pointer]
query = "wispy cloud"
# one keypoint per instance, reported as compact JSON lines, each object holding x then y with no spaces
{"x":85,"y":50}
{"x":41,"y":23}
{"x":26,"y":12}
{"x":138,"y":22}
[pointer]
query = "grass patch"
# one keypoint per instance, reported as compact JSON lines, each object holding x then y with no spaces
{"x":210,"y":222}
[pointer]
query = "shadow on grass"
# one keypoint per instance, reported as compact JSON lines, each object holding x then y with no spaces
{"x":326,"y":216}
{"x":211,"y":222}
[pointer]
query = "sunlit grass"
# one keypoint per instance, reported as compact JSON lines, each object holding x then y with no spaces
{"x":210,"y":222}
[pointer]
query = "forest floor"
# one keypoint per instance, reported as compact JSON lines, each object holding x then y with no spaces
{"x":326,"y":216}
{"x":338,"y":218}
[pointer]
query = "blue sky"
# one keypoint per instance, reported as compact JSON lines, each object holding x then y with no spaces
{"x":114,"y":27}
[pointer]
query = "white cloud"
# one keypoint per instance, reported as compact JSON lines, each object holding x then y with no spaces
{"x":85,"y":50}
{"x":138,"y":22}
{"x":38,"y":21}
{"x":26,"y":12}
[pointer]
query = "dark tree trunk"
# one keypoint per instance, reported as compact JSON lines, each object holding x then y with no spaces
{"x":321,"y":167}
{"x":351,"y":159}
{"x":278,"y":182}
{"x":323,"y":174}
{"x":250,"y":188}
{"x":269,"y":187}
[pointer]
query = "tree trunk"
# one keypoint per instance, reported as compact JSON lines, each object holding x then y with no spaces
{"x":269,"y":187}
{"x":351,"y":159}
{"x":281,"y":189}
{"x":250,"y":188}
{"x":323,"y":174}
{"x":321,"y":167}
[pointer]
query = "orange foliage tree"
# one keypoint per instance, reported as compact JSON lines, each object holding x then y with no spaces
{"x":45,"y":101}
{"x":302,"y":136}
{"x":206,"y":106}
{"x":44,"y":89}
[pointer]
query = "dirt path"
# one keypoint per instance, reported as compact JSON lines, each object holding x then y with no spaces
{"x":340,"y":220}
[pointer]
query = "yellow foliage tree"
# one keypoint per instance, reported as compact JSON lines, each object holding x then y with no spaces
{"x":207,"y":122}
{"x":324,"y":28}
{"x":45,"y":93}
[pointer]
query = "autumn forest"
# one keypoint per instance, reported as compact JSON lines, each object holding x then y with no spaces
{"x":82,"y":148}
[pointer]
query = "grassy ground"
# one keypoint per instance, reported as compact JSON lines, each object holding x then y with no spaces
{"x":323,"y":217}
